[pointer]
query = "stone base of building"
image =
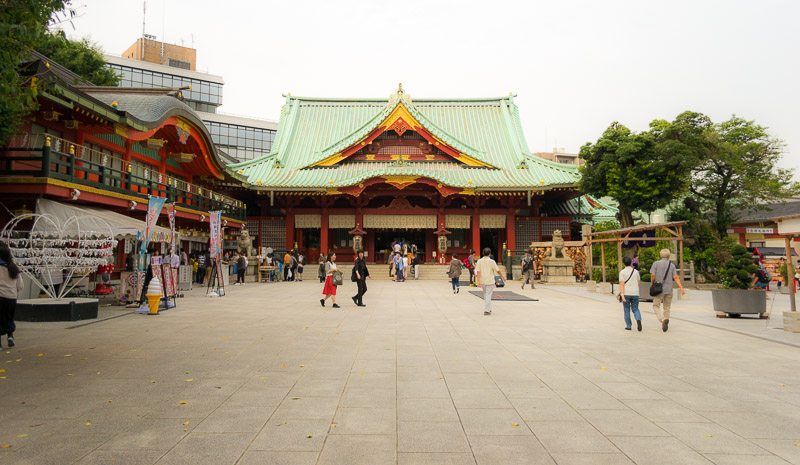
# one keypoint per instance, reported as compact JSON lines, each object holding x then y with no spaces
{"x":558,"y":270}
{"x":791,"y":322}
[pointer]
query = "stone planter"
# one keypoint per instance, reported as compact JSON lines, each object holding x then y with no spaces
{"x":737,"y":302}
{"x":791,"y":322}
{"x":644,"y":292}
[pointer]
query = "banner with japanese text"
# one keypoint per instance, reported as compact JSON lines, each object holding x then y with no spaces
{"x":215,"y":219}
{"x":171,"y":215}
{"x":154,"y":206}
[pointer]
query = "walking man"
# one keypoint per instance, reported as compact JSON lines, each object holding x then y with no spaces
{"x":629,"y":294}
{"x":664,"y":272}
{"x":361,"y":274}
{"x":528,"y":269}
{"x":486,"y":269}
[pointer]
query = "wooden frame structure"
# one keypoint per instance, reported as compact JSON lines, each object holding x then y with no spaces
{"x":789,"y":228}
{"x":673,"y":230}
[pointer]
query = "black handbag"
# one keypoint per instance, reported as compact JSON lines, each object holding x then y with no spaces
{"x":657,"y":288}
{"x":499,"y":282}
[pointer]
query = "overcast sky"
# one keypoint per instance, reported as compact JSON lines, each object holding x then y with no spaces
{"x":575,"y":65}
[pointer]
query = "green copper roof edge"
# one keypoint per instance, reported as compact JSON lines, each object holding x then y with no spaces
{"x":386,"y":100}
{"x":373,"y":122}
{"x":518,"y":126}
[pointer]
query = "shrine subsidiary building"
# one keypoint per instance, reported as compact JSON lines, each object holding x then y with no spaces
{"x":395,"y":168}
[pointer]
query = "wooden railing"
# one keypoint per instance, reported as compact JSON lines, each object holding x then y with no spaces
{"x":61,"y":159}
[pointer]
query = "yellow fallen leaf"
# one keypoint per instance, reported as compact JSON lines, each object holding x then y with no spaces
{"x":190,"y":380}
{"x":185,"y":430}
{"x":185,"y":423}
{"x":153,"y":381}
{"x":361,"y":373}
{"x":183,"y":402}
{"x":19,"y":360}
{"x":88,"y":424}
{"x":783,"y":384}
{"x":302,"y":366}
{"x":2,"y":371}
{"x":70,"y":374}
{"x":283,"y":366}
{"x":38,"y":355}
{"x":797,"y":444}
{"x":3,"y":377}
{"x":514,"y":424}
{"x":603,"y":368}
{"x":223,"y":337}
{"x":84,"y":358}
{"x":98,"y":372}
{"x":308,"y":436}
{"x":6,"y":446}
{"x":708,"y":435}
{"x":216,"y":348}
{"x":68,"y":355}
{"x":306,"y":327}
{"x":110,"y":401}
{"x":22,"y":435}
{"x":263,"y":377}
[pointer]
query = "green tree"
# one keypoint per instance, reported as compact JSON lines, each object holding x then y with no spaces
{"x":22,"y":23}
{"x":641,"y":171}
{"x":82,"y":57}
{"x":737,"y":171}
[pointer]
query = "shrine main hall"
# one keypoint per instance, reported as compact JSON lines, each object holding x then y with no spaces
{"x":397,"y":168}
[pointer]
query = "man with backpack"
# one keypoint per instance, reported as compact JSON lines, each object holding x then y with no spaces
{"x":662,"y":274}
{"x":528,"y":269}
{"x":761,"y":278}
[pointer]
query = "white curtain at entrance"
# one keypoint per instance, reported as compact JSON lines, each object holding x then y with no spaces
{"x":307,"y":221}
{"x":457,"y":221}
{"x":493,"y":221}
{"x":342,"y":221}
{"x":400,"y":221}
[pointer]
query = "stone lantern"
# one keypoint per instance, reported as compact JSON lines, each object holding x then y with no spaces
{"x":358,"y":238}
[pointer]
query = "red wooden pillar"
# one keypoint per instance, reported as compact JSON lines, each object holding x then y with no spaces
{"x":510,"y":230}
{"x":289,"y":228}
{"x":476,"y":231}
{"x":323,"y":232}
{"x":79,"y":150}
{"x":127,"y":157}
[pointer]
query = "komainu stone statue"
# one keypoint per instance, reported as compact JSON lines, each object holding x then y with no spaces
{"x":558,"y":268}
{"x":246,"y":244}
{"x":558,"y":245}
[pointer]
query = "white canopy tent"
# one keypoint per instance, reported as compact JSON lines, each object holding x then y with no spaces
{"x":93,"y":219}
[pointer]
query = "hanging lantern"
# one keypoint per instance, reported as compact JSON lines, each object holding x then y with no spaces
{"x":358,"y":238}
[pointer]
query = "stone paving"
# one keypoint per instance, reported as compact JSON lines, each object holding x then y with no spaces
{"x":419,"y":376}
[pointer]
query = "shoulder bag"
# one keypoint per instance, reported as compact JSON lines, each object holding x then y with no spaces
{"x":657,"y":287}
{"x":619,"y":296}
{"x":498,"y":281}
{"x":336,"y":278}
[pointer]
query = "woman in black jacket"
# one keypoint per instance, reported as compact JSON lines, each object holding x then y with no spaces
{"x":360,"y":273}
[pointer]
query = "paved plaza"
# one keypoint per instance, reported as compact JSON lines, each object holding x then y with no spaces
{"x":419,"y":376}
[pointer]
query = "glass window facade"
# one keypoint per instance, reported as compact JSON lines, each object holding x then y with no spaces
{"x":204,"y":96}
{"x":241,"y":142}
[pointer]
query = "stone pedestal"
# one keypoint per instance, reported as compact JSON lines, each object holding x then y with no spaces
{"x":591,"y":286}
{"x":791,"y":322}
{"x":251,"y":276}
{"x":558,"y":270}
{"x":604,"y":288}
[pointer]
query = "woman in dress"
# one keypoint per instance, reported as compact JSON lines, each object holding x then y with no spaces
{"x":10,"y":285}
{"x":329,"y":290}
{"x":301,"y":260}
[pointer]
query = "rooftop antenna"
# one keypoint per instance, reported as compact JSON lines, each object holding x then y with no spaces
{"x":144,"y":21}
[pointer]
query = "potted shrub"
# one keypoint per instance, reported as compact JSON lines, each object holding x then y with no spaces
{"x":736,"y":296}
{"x":646,"y":259}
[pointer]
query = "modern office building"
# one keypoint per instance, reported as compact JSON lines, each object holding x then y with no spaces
{"x":559,"y":155}
{"x":151,"y":64}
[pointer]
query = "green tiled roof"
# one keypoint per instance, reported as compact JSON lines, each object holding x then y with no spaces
{"x":488,"y":130}
{"x":583,"y":209}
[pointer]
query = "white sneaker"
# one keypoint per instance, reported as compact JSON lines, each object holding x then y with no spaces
{"x":235,"y":284}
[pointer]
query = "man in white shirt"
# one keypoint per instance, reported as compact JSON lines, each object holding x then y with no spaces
{"x":174,"y":259}
{"x":629,"y":293}
{"x":486,"y":269}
